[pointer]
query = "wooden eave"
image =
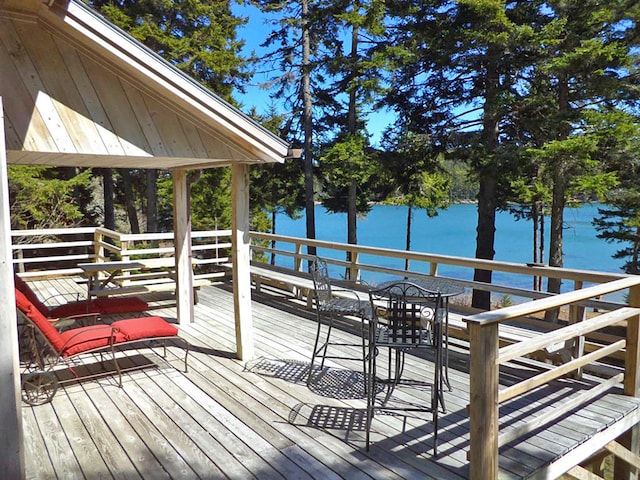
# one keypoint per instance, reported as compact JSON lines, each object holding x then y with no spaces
{"x":77,"y":91}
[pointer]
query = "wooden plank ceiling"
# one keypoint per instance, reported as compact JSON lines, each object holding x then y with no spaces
{"x":79,"y":92}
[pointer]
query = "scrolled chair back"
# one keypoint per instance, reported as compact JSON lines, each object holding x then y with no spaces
{"x":406,"y":313}
{"x":321,"y":281}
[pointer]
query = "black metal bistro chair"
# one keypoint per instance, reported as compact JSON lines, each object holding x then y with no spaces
{"x":406,"y":317}
{"x":332,"y":303}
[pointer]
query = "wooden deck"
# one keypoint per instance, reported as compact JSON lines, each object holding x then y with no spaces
{"x":225,"y":419}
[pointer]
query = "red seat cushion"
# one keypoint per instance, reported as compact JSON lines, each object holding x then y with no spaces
{"x":120,"y":304}
{"x":81,"y":339}
{"x":145,"y":327}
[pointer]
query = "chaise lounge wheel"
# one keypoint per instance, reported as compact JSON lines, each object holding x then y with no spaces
{"x":39,"y":388}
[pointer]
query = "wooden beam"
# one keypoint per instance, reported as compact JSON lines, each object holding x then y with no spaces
{"x":241,"y":261}
{"x":624,"y":454}
{"x":182,"y":243}
{"x":631,"y":439}
{"x":483,"y":405}
{"x":583,"y":474}
{"x":11,"y":440}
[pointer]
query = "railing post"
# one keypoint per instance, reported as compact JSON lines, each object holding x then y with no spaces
{"x":631,"y":438}
{"x":124,"y":247}
{"x":483,"y":406}
{"x":433,"y":269}
{"x":297,"y":261}
{"x":354,"y":271}
{"x":20,"y":256}
{"x":576,"y":315}
{"x":98,"y":248}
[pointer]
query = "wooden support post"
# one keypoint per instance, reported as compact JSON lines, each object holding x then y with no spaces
{"x":576,"y":346}
{"x":631,"y":439}
{"x":124,"y":246}
{"x":433,"y":269}
{"x":241,"y":261}
{"x":98,"y":246}
{"x":182,"y":246}
{"x":483,"y":406}
{"x":354,"y":271}
{"x":11,"y":439}
{"x":297,"y":261}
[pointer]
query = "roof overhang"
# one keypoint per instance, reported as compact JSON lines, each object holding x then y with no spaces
{"x":80,"y":92}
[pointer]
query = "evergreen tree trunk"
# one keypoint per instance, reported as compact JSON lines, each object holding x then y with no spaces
{"x":487,"y":194}
{"x":273,"y":230}
{"x":308,"y":127}
{"x":407,"y":242}
{"x":636,"y":253}
{"x":152,"y":200}
{"x":555,"y":235}
{"x":109,"y":208}
{"x":535,"y":218}
{"x":352,"y":205}
{"x":542,"y":225}
{"x":560,"y":182}
{"x":129,"y":200}
{"x":485,"y":238}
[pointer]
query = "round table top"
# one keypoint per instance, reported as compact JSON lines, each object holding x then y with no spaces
{"x":445,"y":288}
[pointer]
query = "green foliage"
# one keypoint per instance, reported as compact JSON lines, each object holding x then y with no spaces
{"x":345,"y":162}
{"x":42,"y":198}
{"x":197,"y":36}
{"x":277,"y":187}
{"x":210,"y":200}
{"x":413,"y":171}
{"x":619,"y":221}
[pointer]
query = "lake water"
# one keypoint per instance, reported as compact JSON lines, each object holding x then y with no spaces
{"x":453,"y":232}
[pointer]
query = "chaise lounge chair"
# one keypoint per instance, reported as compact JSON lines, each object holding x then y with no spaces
{"x":102,"y":305}
{"x":40,"y":384}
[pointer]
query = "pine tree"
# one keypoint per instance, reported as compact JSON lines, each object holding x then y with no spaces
{"x":457,"y":65}
{"x":584,"y":68}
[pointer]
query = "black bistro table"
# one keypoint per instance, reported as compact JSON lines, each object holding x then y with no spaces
{"x":446,"y":289}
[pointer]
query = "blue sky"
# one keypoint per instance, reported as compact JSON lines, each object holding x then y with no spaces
{"x":254,"y":33}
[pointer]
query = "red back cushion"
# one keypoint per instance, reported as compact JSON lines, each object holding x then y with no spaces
{"x":71,"y":309}
{"x":40,"y":321}
{"x":119,"y":304}
{"x":30,"y":294}
{"x":145,"y":327}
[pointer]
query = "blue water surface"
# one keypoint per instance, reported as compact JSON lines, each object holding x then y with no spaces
{"x":453,"y":232}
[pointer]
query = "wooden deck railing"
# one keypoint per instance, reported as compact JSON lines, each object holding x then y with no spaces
{"x":55,"y":252}
{"x":367,"y":261}
{"x":486,"y":358}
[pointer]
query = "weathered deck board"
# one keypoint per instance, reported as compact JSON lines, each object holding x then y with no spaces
{"x":226,"y":419}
